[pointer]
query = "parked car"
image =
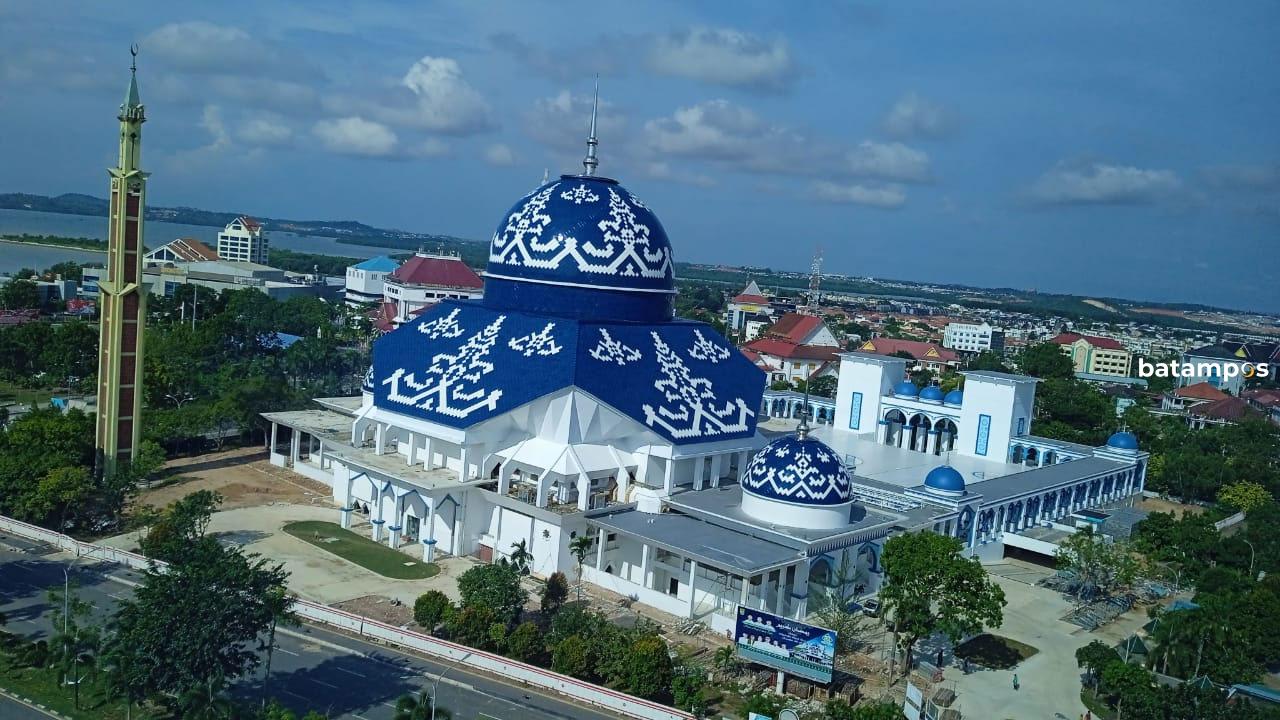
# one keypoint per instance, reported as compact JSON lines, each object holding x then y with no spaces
{"x":871,"y":607}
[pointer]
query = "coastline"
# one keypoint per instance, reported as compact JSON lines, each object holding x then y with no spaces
{"x":11,"y":241}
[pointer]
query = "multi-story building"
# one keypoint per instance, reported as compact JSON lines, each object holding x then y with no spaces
{"x":243,"y":241}
{"x":424,"y":280}
{"x":971,"y":338}
{"x":1209,"y":364}
{"x":747,"y":304}
{"x":1094,"y":355}
{"x":793,"y":348}
{"x":927,"y":356}
{"x":177,"y":252}
{"x":365,"y":280}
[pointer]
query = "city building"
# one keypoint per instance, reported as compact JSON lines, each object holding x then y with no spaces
{"x":1188,"y":396}
{"x":1208,"y":363}
{"x":243,"y":241}
{"x":365,"y":280}
{"x":221,"y":275}
{"x":177,"y":252}
{"x":569,"y":402}
{"x":971,"y":338}
{"x":1094,"y":355}
{"x":794,"y":347}
{"x":426,"y":279}
{"x":927,"y":356}
{"x":749,"y":303}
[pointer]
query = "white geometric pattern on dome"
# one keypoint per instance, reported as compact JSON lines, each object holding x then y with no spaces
{"x":445,"y":326}
{"x":812,"y":473}
{"x":613,"y":351}
{"x":623,"y":249}
{"x":692,"y":412}
{"x":529,"y":221}
{"x":539,"y":343}
{"x":579,"y":195}
{"x":704,"y":349}
{"x":451,"y":386}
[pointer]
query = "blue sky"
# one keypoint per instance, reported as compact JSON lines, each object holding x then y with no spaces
{"x":1123,"y":149}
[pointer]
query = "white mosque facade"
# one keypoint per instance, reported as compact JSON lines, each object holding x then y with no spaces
{"x":569,"y":402}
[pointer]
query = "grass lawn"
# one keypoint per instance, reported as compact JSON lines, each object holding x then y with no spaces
{"x":361,"y":550}
{"x":993,"y":651}
{"x":40,"y":687}
{"x":1096,"y":705}
{"x":10,"y":393}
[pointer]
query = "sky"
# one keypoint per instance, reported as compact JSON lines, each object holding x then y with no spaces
{"x":1099,"y":148}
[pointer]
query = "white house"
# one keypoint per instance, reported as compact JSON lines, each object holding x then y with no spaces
{"x":243,"y":241}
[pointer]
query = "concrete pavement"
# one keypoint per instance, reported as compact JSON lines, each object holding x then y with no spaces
{"x":312,"y":668}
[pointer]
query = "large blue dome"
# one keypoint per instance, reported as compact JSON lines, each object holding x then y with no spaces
{"x":803,"y":471}
{"x":1123,"y":441}
{"x":945,"y":479}
{"x":584,"y":231}
{"x":932,"y":393}
{"x":906,"y":388}
{"x":955,"y":397}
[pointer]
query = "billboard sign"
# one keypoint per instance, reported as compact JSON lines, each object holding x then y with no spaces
{"x":787,"y":645}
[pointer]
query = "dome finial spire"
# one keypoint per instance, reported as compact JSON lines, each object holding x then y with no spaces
{"x":590,"y":162}
{"x":802,"y":430}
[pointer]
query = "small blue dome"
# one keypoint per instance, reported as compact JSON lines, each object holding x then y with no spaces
{"x":800,"y":471}
{"x":1123,"y":441}
{"x":955,"y":397}
{"x":945,"y":479}
{"x":583,"y":231}
{"x":932,"y":393}
{"x":906,"y":388}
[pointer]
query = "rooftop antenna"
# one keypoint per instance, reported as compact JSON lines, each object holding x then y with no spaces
{"x":815,"y":280}
{"x":590,"y":162}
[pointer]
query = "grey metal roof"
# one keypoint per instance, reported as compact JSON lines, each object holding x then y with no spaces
{"x":699,"y":540}
{"x":1043,"y":478}
{"x":1061,"y":444}
{"x":724,"y":504}
{"x":993,"y":375}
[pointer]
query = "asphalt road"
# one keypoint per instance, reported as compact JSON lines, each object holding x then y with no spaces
{"x":313,"y":669}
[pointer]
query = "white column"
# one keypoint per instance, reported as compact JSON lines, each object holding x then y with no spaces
{"x":717,"y":469}
{"x":781,"y":596}
{"x":742,"y":596}
{"x":427,"y":461}
{"x":274,"y":428}
{"x":464,"y":473}
{"x":584,"y":491}
{"x":544,"y":482}
{"x":504,"y":477}
{"x":459,"y":513}
{"x":693,"y":584}
{"x":600,"y":537}
{"x":882,"y":430}
{"x":396,"y":523}
{"x":379,"y":438}
{"x":699,"y":470}
{"x":742,"y":464}
{"x":429,"y":532}
{"x":294,"y":439}
{"x":412,"y":454}
{"x":624,"y":484}
{"x":669,"y":476}
{"x":644,"y":566}
{"x":344,"y":512}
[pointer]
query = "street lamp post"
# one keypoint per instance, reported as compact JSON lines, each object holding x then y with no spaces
{"x":436,"y":684}
{"x":1252,"y":552}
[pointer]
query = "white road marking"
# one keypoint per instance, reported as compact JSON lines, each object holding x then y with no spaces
{"x":321,"y":682}
{"x":286,"y":652}
{"x":351,"y":672}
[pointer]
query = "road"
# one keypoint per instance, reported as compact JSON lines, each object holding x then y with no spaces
{"x":313,"y":669}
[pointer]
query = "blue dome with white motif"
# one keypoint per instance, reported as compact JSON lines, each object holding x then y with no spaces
{"x":803,"y":471}
{"x":585,"y":232}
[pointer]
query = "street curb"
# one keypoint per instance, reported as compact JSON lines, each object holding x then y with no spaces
{"x":31,"y":704}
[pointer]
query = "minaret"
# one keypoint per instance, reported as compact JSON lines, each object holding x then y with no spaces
{"x":590,"y":162}
{"x":123,"y":298}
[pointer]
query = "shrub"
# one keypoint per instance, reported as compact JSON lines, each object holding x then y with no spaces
{"x":430,"y":608}
{"x":573,"y":657}
{"x":525,"y":642}
{"x":470,"y":626}
{"x":555,"y":593}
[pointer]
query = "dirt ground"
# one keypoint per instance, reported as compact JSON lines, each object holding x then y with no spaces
{"x":380,"y":608}
{"x":1156,"y":504}
{"x":243,"y":476}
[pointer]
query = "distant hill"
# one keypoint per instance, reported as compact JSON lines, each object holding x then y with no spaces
{"x":347,"y":231}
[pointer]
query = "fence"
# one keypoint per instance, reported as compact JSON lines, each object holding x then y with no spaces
{"x":434,"y":647}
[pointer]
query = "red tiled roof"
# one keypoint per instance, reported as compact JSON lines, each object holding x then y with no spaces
{"x":438,"y":271}
{"x":750,"y":299}
{"x":917,"y":349}
{"x":792,"y":351}
{"x":1067,"y":338}
{"x":1228,"y":408}
{"x":1200,"y":391}
{"x":384,"y":316}
{"x":249,"y":223}
{"x":1262,"y":397}
{"x":794,"y":327}
{"x":191,"y":250}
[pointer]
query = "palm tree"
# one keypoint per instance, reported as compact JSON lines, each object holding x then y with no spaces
{"x":278,"y":603}
{"x":35,"y":655}
{"x":520,"y":556}
{"x":580,"y":546}
{"x":205,"y":701}
{"x":421,"y":707}
{"x":119,"y":685}
{"x":74,"y":649}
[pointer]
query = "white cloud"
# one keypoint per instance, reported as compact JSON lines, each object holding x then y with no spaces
{"x":431,"y":147}
{"x":499,"y":154}
{"x":725,"y":57}
{"x":915,"y":117}
{"x":889,"y":161}
{"x":266,"y":129}
{"x":356,"y":136}
{"x":887,"y":196}
{"x":199,"y":46}
{"x":1100,"y":184}
{"x":561,"y":122}
{"x":211,"y":121}
{"x":443,"y":100}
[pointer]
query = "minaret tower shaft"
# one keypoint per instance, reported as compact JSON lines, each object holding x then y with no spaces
{"x":123,"y":298}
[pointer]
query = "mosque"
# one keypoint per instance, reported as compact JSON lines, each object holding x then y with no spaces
{"x":570,"y":402}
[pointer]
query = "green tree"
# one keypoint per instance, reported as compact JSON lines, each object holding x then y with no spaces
{"x":766,"y":704}
{"x":525,"y":643}
{"x":19,"y":295}
{"x":183,"y":523}
{"x":278,"y":604}
{"x":75,"y":645}
{"x":1100,"y":565}
{"x":687,"y":690}
{"x":824,"y":386}
{"x":646,"y":668}
{"x":495,"y":586}
{"x":1124,"y":680}
{"x":419,"y":707}
{"x":58,"y":495}
{"x":1045,"y":360}
{"x":988,"y":360}
{"x":35,"y":445}
{"x":580,"y":546}
{"x":430,"y":608}
{"x":1093,"y":658}
{"x":881,"y":710}
{"x":930,"y":588}
{"x":206,"y":700}
{"x":573,"y":656}
{"x":470,"y":626}
{"x":230,"y":593}
{"x":520,"y":557}
{"x":1245,"y":496}
{"x":554,"y":593}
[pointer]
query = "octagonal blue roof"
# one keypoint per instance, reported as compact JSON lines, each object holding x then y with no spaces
{"x":803,"y":471}
{"x":906,"y":388}
{"x":1123,"y":440}
{"x":584,"y":231}
{"x":945,"y":479}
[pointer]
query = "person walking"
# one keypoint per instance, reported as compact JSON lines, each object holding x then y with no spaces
{"x":1015,"y":682}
